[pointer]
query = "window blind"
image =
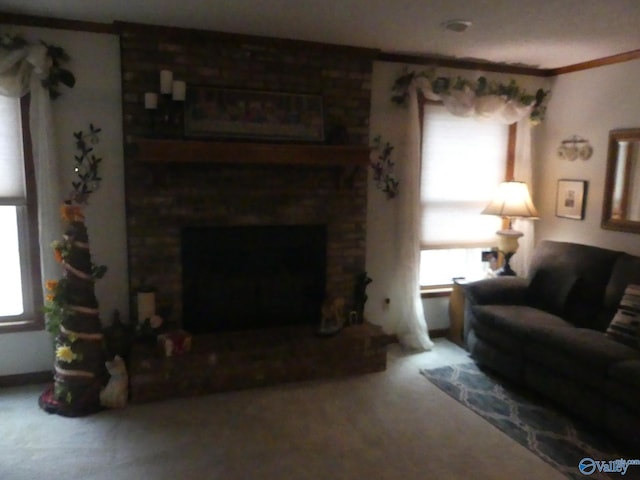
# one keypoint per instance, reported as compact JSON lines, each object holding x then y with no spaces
{"x":12,"y":181}
{"x":463,"y":161}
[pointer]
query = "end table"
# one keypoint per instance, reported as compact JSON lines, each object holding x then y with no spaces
{"x":456,"y":311}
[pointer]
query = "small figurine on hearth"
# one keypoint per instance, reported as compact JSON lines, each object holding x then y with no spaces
{"x":115,"y":393}
{"x":333,"y":316}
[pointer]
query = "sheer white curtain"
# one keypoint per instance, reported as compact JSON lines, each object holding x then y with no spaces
{"x":522,"y":171}
{"x":411,"y":326}
{"x":21,"y":72}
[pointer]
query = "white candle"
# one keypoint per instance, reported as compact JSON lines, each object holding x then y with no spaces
{"x":166,"y":81}
{"x":179,"y":90}
{"x":150,"y":100}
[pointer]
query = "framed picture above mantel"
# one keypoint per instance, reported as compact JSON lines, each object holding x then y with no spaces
{"x":222,"y":113}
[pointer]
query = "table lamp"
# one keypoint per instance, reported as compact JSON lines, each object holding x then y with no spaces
{"x":512,"y":200}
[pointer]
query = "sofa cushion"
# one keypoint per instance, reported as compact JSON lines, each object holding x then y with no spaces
{"x":624,"y":383}
{"x":625,"y":326}
{"x":623,"y":424}
{"x":591,"y":265}
{"x":550,"y":288}
{"x":627,"y":372}
{"x":626,"y":270}
{"x":508,"y":326}
{"x":582,"y":354}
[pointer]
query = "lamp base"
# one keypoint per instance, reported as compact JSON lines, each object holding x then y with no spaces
{"x":508,"y":246}
{"x":506,"y":270}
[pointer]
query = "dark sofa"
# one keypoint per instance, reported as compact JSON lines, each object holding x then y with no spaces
{"x":548,"y":332}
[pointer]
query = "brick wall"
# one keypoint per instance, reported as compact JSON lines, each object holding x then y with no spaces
{"x":162,"y":199}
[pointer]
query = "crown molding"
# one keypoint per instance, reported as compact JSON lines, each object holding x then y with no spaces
{"x":462,"y":64}
{"x":117,"y":27}
{"x":600,"y":62}
{"x":57,"y":23}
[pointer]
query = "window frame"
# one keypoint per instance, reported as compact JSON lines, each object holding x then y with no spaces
{"x":33,"y":316}
{"x":428,"y":291}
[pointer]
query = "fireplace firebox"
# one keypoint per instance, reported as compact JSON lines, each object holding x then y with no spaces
{"x":252,"y":277}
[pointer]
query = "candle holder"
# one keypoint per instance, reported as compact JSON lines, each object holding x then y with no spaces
{"x":176,"y":116}
{"x":166,"y":111}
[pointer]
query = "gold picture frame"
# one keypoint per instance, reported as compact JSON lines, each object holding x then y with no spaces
{"x":249,"y":114}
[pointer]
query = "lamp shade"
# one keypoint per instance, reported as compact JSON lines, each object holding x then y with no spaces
{"x":512,"y":200}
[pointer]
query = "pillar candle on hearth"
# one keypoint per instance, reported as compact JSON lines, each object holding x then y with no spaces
{"x":146,"y":305}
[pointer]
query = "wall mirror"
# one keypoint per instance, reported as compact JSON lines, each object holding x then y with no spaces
{"x":621,"y":204}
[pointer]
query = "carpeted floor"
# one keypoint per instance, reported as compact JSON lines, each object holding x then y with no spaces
{"x":385,"y":426}
{"x":535,"y":424}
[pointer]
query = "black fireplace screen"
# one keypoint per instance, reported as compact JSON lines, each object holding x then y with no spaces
{"x":251,"y":277}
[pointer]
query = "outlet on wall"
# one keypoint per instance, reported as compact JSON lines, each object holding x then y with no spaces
{"x":385,"y":303}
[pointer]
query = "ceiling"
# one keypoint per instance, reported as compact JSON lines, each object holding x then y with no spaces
{"x":535,"y":33}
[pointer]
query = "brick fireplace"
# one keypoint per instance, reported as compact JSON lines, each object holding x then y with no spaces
{"x":252,"y":277}
{"x":191,"y":190}
{"x":176,"y":185}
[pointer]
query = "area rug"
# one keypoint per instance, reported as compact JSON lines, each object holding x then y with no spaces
{"x":554,"y":437}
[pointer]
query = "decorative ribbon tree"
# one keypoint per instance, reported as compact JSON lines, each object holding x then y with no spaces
{"x":71,"y":307}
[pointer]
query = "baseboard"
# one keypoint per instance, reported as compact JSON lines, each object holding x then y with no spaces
{"x":436,"y":333}
{"x":25,"y":379}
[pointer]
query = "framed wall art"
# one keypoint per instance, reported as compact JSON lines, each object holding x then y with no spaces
{"x":571,"y":199}
{"x":247,"y":114}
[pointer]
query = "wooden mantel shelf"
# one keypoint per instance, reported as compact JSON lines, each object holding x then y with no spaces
{"x":202,"y":151}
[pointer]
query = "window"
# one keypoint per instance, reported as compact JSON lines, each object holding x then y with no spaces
{"x":20,"y":280}
{"x":463,"y":161}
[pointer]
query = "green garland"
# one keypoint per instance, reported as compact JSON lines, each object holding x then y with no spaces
{"x":481,"y":87}
{"x":56,"y":307}
{"x":57,"y":57}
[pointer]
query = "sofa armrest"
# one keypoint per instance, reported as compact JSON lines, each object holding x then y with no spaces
{"x":491,"y":291}
{"x":497,"y":291}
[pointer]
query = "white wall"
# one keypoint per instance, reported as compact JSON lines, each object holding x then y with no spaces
{"x":589,"y":103}
{"x":388,"y":120}
{"x":96,"y":98}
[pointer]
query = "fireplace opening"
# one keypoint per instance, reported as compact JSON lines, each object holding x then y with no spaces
{"x":252,"y":277}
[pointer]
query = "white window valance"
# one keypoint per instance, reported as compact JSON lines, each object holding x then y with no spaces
{"x":505,"y":103}
{"x":36,"y":69}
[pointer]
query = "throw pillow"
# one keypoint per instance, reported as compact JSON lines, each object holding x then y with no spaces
{"x":549,"y":290}
{"x":625,"y":326}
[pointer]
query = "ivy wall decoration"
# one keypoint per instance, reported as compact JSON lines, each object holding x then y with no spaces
{"x":383,"y":167}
